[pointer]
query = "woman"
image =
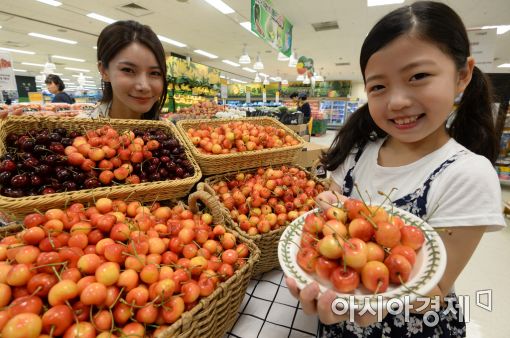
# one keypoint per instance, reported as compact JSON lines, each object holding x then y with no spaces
{"x":131,"y":61}
{"x":56,"y":86}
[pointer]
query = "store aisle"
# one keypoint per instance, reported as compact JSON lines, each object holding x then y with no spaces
{"x":269,"y":311}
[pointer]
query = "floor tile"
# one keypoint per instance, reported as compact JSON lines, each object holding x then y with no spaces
{"x":281,"y":314}
{"x":270,"y":330}
{"x":265,"y":290}
{"x":283,"y":296}
{"x":247,"y":327}
{"x":257,"y":307}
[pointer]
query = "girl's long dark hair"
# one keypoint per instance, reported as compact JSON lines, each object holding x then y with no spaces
{"x":119,"y":35}
{"x":473,"y":126}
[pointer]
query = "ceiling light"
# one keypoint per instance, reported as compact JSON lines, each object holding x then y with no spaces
{"x":258,"y":65}
{"x":285,"y":82}
{"x":244,"y":59}
{"x":504,"y":65}
{"x":170,"y":41}
{"x":257,"y":78}
{"x":247,"y":25}
{"x":276,"y":79}
{"x":221,"y":6}
{"x":51,"y":2}
{"x":67,"y":58}
{"x":232,"y":63}
{"x":19,"y":70}
{"x":372,"y":3}
{"x":238,"y":81}
{"x":33,"y":64}
{"x":306,"y":80}
{"x":300,"y":78}
{"x":222,"y":76}
{"x":49,"y":68}
{"x":77,"y":69}
{"x":249,"y":70}
{"x":17,"y":51}
{"x":266,"y":81}
{"x":263,"y":74}
{"x":502,"y":29}
{"x":204,"y":53}
{"x":95,"y":47}
{"x":101,"y":18}
{"x":53,"y":38}
{"x":84,"y":76}
{"x":283,"y":57}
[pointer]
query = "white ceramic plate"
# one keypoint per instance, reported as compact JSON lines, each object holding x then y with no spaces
{"x":427,"y":271}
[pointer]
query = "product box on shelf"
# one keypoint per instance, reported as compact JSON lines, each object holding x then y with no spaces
{"x":300,"y":129}
{"x":309,"y":154}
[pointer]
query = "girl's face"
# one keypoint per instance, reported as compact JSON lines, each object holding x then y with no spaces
{"x":136,"y":80}
{"x":52,"y":87}
{"x":411,"y":85}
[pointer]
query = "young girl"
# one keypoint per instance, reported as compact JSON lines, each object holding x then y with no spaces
{"x":132,"y":64}
{"x":415,"y":61}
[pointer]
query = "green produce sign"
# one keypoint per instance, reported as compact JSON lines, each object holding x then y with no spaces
{"x":271,"y":26}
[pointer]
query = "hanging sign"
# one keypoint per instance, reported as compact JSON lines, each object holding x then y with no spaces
{"x":271,"y":26}
{"x":7,"y":79}
{"x":305,"y":66}
{"x":483,"y":43}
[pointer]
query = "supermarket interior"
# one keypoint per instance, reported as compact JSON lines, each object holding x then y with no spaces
{"x":255,"y":91}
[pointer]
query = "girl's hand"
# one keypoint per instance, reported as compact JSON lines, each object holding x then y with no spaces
{"x":327,"y":198}
{"x":323,"y":305}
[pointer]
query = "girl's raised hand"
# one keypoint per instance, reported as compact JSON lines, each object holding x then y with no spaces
{"x":328,"y":198}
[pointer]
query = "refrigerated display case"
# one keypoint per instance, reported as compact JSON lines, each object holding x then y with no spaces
{"x":337,"y":111}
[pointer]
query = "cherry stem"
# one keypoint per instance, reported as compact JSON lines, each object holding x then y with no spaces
{"x":369,"y":219}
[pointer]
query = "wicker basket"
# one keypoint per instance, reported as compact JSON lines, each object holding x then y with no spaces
{"x":217,"y":164}
{"x":144,"y":192}
{"x":268,"y":242}
{"x":215,"y":315}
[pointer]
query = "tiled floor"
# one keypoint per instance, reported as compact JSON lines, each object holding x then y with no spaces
{"x":269,"y":311}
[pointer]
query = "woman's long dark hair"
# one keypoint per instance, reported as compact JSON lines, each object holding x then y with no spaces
{"x":473,"y":126}
{"x":119,"y":35}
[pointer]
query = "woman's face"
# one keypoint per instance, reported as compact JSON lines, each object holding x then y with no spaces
{"x":411,"y":85}
{"x":52,"y":87}
{"x":136,"y":80}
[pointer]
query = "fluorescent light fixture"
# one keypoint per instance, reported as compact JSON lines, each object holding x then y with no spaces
{"x":238,"y":81}
{"x":67,"y":58}
{"x":266,"y":82}
{"x":258,"y":65}
{"x":504,"y":65}
{"x":223,"y":77}
{"x":221,"y":6}
{"x":285,"y":82}
{"x":170,"y":41}
{"x":257,"y":78}
{"x":247,"y":25}
{"x":65,"y":79}
{"x":244,"y":59}
{"x":101,"y":18}
{"x":77,"y":69}
{"x":17,"y":51}
{"x":95,"y":47}
{"x":85,"y":76}
{"x":204,"y":53}
{"x":300,"y":77}
{"x":293,"y":59}
{"x":51,"y":2}
{"x":262,"y":74}
{"x":33,"y":64}
{"x":306,"y":80}
{"x":232,"y":63}
{"x":19,"y":70}
{"x":372,"y":3}
{"x":249,"y":70}
{"x":53,"y":38}
{"x":276,"y":78}
{"x":501,"y":29}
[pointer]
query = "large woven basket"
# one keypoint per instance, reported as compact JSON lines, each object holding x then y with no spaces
{"x":217,"y":164}
{"x":268,"y":242}
{"x":215,"y":315}
{"x":144,"y":192}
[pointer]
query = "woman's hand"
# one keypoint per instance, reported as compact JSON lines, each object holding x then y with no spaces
{"x":328,"y":198}
{"x":323,"y":306}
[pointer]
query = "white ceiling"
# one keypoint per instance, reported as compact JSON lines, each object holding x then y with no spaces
{"x":200,"y":26}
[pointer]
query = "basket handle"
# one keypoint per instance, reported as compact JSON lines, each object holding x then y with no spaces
{"x":202,"y":186}
{"x":210,"y":201}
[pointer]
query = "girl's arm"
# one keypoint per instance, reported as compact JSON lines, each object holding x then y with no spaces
{"x":460,"y":243}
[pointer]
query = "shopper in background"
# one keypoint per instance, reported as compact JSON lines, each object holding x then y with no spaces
{"x":56,"y":86}
{"x":304,"y":107}
{"x":132,"y":64}
{"x":414,"y":62}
